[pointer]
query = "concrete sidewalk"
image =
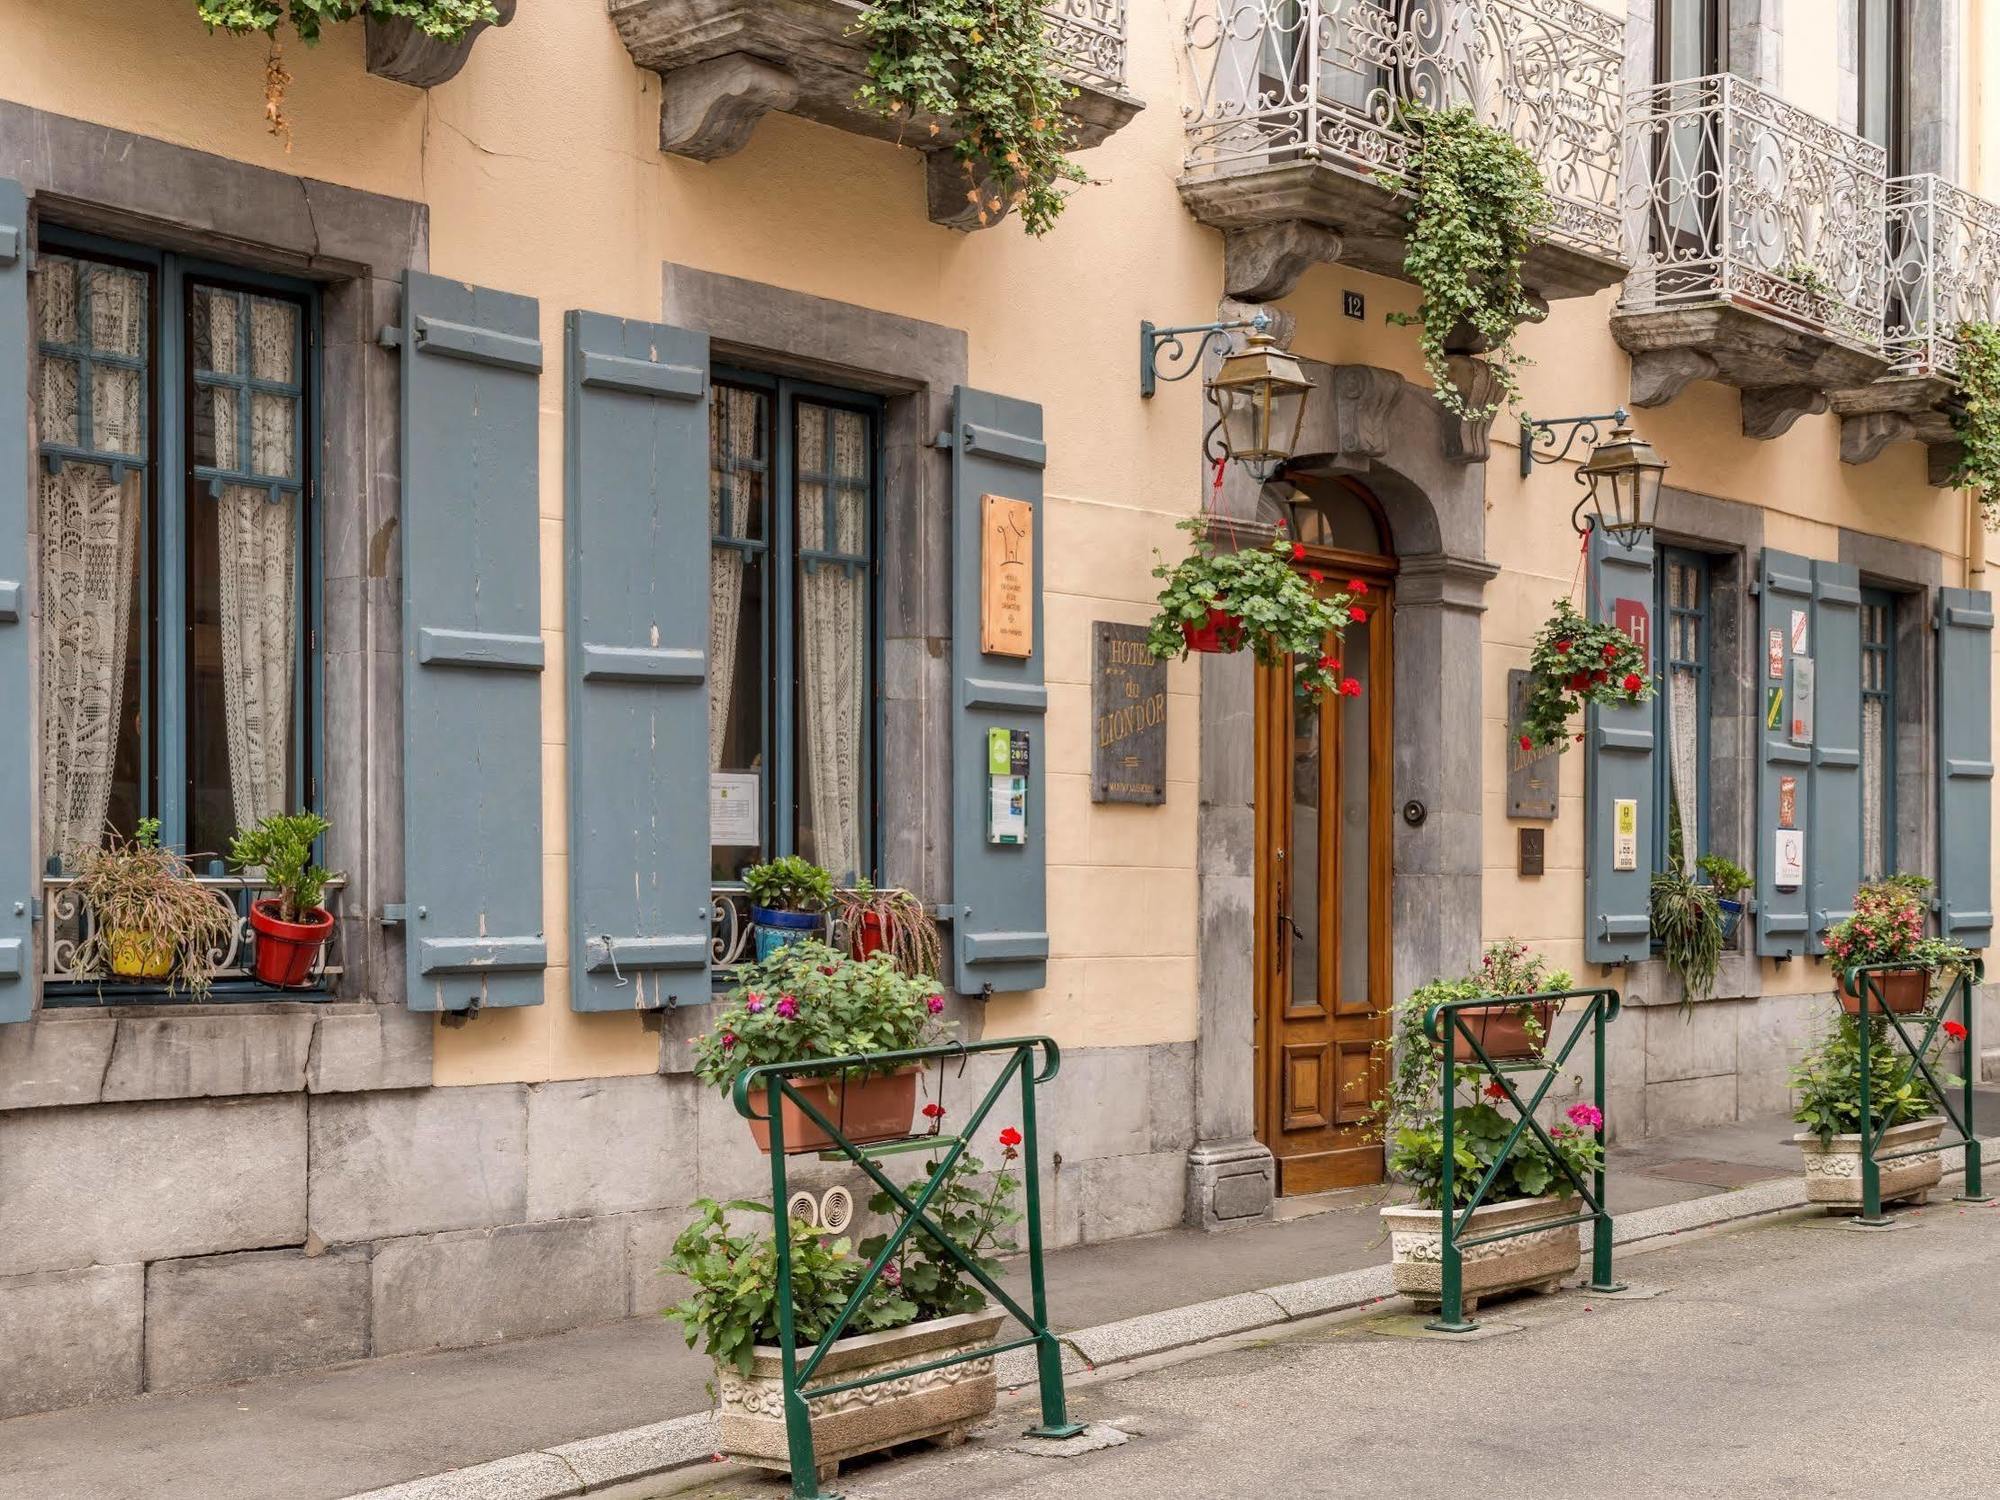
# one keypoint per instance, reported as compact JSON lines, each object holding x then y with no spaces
{"x":570,"y":1413}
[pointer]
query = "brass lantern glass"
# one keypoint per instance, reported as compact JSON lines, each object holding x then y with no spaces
{"x":1624,"y":475}
{"x":1261,"y":393}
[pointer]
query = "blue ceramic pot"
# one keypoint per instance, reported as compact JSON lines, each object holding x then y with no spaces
{"x":777,"y":929}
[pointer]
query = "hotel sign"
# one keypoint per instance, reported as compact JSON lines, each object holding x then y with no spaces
{"x":1128,"y":704}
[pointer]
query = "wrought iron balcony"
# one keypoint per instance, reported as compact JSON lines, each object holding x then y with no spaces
{"x":1295,"y":126}
{"x":68,"y":923}
{"x":1757,"y":244}
{"x":725,"y":64}
{"x":1942,"y":254}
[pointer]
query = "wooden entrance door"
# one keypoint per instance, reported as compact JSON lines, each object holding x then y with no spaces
{"x":1324,"y":797}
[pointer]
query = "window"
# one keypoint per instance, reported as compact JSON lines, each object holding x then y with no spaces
{"x":1882,"y":75}
{"x":175,"y":517}
{"x":792,"y":503}
{"x":1689,"y":42}
{"x":1681,"y":706}
{"x":1878,"y":734}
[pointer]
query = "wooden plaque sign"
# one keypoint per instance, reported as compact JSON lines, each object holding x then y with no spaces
{"x":1007,"y":577}
{"x":1128,"y":708}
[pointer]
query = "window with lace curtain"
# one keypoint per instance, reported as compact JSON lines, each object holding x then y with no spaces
{"x":1878,"y":734}
{"x":792,"y":508}
{"x":1683,"y":624}
{"x":173,"y":429}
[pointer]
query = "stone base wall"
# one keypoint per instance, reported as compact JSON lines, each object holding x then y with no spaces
{"x":178,"y":1242}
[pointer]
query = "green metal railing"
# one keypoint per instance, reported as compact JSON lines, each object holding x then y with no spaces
{"x":1602,"y":1008}
{"x":773,"y":1082}
{"x":1866,"y":982}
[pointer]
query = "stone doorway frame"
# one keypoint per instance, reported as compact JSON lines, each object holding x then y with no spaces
{"x":1376,"y":425}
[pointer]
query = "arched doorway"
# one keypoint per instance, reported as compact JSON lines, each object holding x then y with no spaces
{"x":1324,"y":795}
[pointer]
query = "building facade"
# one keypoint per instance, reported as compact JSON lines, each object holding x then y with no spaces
{"x":560,"y":459}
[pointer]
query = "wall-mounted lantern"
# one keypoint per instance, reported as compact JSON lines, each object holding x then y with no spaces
{"x":1621,"y":478}
{"x":1259,"y":392}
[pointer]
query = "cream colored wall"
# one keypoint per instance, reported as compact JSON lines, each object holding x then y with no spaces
{"x":540,"y":170}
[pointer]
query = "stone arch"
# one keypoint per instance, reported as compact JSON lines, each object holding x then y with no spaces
{"x":1394,"y":436}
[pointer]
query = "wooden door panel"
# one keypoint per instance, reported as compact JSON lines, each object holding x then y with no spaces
{"x":1308,"y":1086}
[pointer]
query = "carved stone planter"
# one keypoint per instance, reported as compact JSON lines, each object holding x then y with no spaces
{"x":1833,"y":1168}
{"x":1540,"y":1259}
{"x":399,"y":51}
{"x":939,"y":1403}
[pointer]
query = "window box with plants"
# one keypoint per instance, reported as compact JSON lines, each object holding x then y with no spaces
{"x":924,"y":1308}
{"x":789,"y":898}
{"x":1530,"y":1188}
{"x":1827,"y":1084}
{"x":151,"y":920}
{"x":807,"y":1002}
{"x":291,"y":925}
{"x":1887,"y":927}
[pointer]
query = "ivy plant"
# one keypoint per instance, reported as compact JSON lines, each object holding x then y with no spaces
{"x":1577,"y":661}
{"x":1977,"y":417}
{"x":1480,"y":200}
{"x":447,"y":20}
{"x":1258,"y":596}
{"x":983,"y":67}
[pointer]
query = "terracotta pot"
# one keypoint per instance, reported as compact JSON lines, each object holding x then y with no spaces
{"x":870,"y":936}
{"x":1222,"y":634}
{"x":287,"y":951}
{"x":877,"y":1108}
{"x":1541,"y":1258}
{"x":941,"y":1403}
{"x":139,"y":955}
{"x":1904,"y":991}
{"x":1503,"y":1031}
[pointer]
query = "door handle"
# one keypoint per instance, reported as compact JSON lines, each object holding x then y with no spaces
{"x":1284,"y":921}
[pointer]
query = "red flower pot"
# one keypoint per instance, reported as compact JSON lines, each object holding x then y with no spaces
{"x":869,"y":935}
{"x":866,"y":1110}
{"x":286,"y":951}
{"x":1222,"y":634}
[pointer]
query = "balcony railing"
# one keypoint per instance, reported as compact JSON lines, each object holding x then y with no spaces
{"x":1738,"y":197}
{"x":68,"y":924}
{"x":1288,"y":81}
{"x":1087,"y":39}
{"x":1943,"y":258}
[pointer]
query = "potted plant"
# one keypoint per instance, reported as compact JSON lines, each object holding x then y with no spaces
{"x":892,"y":921}
{"x":1827,"y":1082}
{"x":808,"y":1001}
{"x":922,"y":1309}
{"x":150,"y":918}
{"x":291,"y":924}
{"x":1577,"y":661}
{"x":1511,"y":1031}
{"x":1529,"y":1188}
{"x":1887,"y":927}
{"x":788,"y":901}
{"x":1731,"y":884}
{"x":1687,"y":926}
{"x":1219,"y":601}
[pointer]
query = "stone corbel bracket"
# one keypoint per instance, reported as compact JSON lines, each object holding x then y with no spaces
{"x":1264,"y":264}
{"x":1468,"y":442}
{"x":709,"y":109}
{"x":398,"y":51}
{"x":1911,"y":408}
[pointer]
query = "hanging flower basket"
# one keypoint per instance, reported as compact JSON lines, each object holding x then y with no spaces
{"x":1215,"y":601}
{"x":1577,"y":662}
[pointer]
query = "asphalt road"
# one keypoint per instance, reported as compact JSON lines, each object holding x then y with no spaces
{"x":1797,"y":1359}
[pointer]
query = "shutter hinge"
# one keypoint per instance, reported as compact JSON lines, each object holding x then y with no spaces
{"x":36,"y":911}
{"x":942,"y":441}
{"x":394,"y":913}
{"x":391,"y":337}
{"x":1754,"y":588}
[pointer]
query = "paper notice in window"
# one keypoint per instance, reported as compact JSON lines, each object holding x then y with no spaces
{"x":733,"y":797}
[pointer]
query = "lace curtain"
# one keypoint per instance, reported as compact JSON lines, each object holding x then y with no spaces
{"x":735,"y":423}
{"x":257,"y":537}
{"x":833,"y":634}
{"x":1683,"y":688}
{"x":89,"y":522}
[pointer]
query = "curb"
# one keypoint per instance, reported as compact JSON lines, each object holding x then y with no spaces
{"x":593,"y":1465}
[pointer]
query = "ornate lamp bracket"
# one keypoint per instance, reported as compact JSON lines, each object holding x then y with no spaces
{"x":1169,"y":344}
{"x":1538,"y":446}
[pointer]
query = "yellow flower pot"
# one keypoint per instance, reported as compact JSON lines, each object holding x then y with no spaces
{"x":140,"y":955}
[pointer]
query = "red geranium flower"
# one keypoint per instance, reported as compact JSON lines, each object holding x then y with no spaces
{"x":1610,"y":650}
{"x":1954,"y":1030}
{"x":1633,"y":682}
{"x":933,"y":1111}
{"x":1315,"y":575}
{"x":1349,"y":688}
{"x":1600,"y":676}
{"x":1357,"y":616}
{"x":1357,"y":585}
{"x":1298,"y":551}
{"x":1494,"y":1090}
{"x":1578,"y":681}
{"x":1010,"y":1137}
{"x":1330,"y":662}
{"x":1526,"y":743}
{"x":1562,"y":648}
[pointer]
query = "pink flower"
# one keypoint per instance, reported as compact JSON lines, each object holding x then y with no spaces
{"x":893,"y":1274}
{"x":934,"y":1004}
{"x":728,"y":1040}
{"x":754,"y":1004}
{"x":1587,"y":1116}
{"x":787,"y":1007}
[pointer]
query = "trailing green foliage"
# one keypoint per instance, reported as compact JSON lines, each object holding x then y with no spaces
{"x":1479,"y":1131}
{"x":448,"y":20}
{"x":281,"y":846}
{"x":1480,"y":200}
{"x":1687,"y":924}
{"x":983,"y":67}
{"x":1577,"y":661}
{"x":145,"y":897}
{"x":1827,"y":1082}
{"x":1977,"y":417}
{"x":1256,"y":596}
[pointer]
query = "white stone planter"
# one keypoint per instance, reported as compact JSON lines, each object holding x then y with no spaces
{"x":1539,"y":1259}
{"x":939,"y":1403}
{"x":1833,"y":1168}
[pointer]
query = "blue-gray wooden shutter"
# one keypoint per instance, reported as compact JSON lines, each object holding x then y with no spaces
{"x":472,"y":646}
{"x":1000,"y":937}
{"x":1833,"y":848}
{"x":635,"y":526}
{"x":1785,"y":587}
{"x":1965,"y":766}
{"x":1618,"y":903}
{"x":18,"y":889}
